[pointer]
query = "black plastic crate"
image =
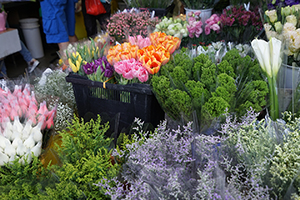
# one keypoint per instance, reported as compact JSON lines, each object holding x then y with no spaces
{"x":124,"y":101}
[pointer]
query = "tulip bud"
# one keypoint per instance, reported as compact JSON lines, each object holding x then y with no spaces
{"x":285,"y":11}
{"x":278,"y":27}
{"x":272,"y":14}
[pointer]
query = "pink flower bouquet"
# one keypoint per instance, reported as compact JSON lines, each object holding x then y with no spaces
{"x":131,"y":69}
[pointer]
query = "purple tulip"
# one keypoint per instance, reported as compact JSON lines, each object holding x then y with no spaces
{"x":88,"y":68}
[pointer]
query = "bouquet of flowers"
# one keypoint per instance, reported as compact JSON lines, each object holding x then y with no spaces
{"x":240,"y":25}
{"x":173,"y":26}
{"x":284,"y":26}
{"x":195,"y":28}
{"x":124,"y":24}
{"x":133,"y":61}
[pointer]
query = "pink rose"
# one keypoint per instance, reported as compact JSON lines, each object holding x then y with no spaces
{"x":207,"y":29}
{"x":197,"y":13}
{"x":143,"y":75}
{"x":215,"y":27}
{"x":190,"y":14}
{"x":198,"y":32}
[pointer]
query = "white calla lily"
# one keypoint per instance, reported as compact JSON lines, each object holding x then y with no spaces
{"x":268,"y":55}
{"x":262,"y":53}
{"x":275,"y":50}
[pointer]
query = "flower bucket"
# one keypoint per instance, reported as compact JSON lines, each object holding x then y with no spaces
{"x":2,"y":21}
{"x":124,"y":101}
{"x":288,"y":79}
{"x":205,"y":13}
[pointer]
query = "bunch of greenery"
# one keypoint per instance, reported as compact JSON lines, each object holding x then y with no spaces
{"x":185,"y":85}
{"x":23,"y":181}
{"x":86,"y":159}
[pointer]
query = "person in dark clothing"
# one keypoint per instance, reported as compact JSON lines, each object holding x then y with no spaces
{"x":90,"y":20}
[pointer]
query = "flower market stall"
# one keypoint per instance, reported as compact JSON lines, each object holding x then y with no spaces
{"x":175,"y":107}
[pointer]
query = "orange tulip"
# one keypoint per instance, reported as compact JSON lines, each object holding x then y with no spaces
{"x":121,"y":52}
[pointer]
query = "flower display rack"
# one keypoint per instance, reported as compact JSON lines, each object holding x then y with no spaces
{"x":129,"y":101}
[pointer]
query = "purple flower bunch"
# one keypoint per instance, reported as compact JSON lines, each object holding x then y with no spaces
{"x":282,"y":3}
{"x":124,"y":24}
{"x":91,"y":69}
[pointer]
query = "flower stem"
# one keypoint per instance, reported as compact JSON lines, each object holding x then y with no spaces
{"x":274,"y":107}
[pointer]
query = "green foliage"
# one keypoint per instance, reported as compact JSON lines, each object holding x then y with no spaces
{"x":197,"y":92}
{"x":225,"y":67}
{"x":254,"y":96}
{"x":208,"y":76}
{"x":214,"y":107}
{"x":233,"y":57}
{"x":23,"y":181}
{"x":179,"y":103}
{"x":86,"y":160}
{"x":179,"y":77}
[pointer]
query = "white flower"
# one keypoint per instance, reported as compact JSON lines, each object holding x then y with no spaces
{"x":268,"y":55}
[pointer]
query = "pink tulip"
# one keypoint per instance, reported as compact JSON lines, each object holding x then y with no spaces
{"x":33,"y":97}
{"x":52,"y":112}
{"x":50,"y":122}
{"x":43,"y":108}
{"x":119,"y":67}
{"x":143,"y":75}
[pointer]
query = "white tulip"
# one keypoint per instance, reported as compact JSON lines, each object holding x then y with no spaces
{"x":9,"y":149}
{"x":7,"y":132}
{"x":36,"y":132}
{"x":3,"y":158}
{"x":16,"y":142}
{"x":27,"y":130}
{"x":37,"y":149}
{"x":29,"y":142}
{"x":17,"y":124}
{"x":3,"y":141}
{"x":21,"y":149}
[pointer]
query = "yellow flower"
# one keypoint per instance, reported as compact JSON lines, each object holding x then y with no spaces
{"x":79,"y":59}
{"x":73,"y":67}
{"x":272,"y":14}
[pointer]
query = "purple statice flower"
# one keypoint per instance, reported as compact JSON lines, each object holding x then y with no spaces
{"x":89,"y":68}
